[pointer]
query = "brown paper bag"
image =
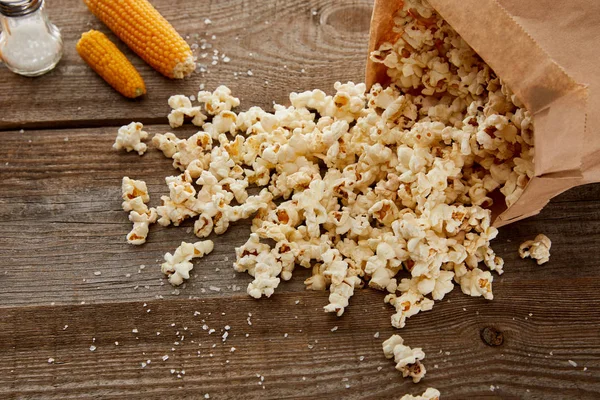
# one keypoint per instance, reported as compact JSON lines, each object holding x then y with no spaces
{"x":548,"y":53}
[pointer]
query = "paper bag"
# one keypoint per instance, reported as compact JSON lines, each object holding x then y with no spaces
{"x":548,"y":53}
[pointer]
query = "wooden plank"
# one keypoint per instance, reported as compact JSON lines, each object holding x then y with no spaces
{"x":291,"y":44}
{"x":544,"y":326}
{"x":61,"y":221}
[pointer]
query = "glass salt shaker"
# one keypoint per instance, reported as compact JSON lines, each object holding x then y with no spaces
{"x":30,"y":44}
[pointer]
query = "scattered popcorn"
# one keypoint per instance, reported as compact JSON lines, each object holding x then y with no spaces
{"x":177,"y":266}
{"x":389,"y":188}
{"x":538,"y":249}
{"x":429,"y":394}
{"x":407,"y":359}
{"x":130,"y":137}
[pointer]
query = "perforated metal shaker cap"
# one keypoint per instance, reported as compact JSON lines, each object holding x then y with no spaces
{"x":18,"y":8}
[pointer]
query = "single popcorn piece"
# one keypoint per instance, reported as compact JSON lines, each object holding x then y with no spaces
{"x":167,"y":143}
{"x":135,"y":194}
{"x":141,"y":225}
{"x":407,"y":305}
{"x":408,"y":361}
{"x":177,"y":266}
{"x":477,"y":283}
{"x":538,"y":249}
{"x":429,"y":394}
{"x":181,"y":108}
{"x":129,"y":137}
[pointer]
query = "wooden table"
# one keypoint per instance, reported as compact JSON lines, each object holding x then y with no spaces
{"x":70,"y":281}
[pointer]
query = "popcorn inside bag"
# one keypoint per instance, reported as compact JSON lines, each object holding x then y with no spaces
{"x":389,"y":188}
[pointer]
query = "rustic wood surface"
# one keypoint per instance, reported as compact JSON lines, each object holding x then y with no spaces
{"x":61,"y":223}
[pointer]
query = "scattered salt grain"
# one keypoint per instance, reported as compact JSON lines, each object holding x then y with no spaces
{"x":51,"y":360}
{"x":335,"y":328}
{"x":573,"y":363}
{"x":92,"y":348}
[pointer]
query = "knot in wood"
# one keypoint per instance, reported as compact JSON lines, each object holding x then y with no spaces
{"x":492,"y":336}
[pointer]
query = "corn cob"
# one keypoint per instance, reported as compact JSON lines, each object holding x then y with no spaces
{"x":107,"y":60}
{"x":146,"y":32}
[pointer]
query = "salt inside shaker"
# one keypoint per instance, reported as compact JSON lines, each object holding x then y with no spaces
{"x":30,"y":44}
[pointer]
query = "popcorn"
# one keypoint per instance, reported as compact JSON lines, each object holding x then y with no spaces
{"x":246,"y":254}
{"x":218,"y":101}
{"x":266,"y":272}
{"x":192,"y":152}
{"x":477,"y":283}
{"x":182,"y":107}
{"x":341,"y":293}
{"x":129,"y":137}
{"x":407,"y":305}
{"x":538,"y":249}
{"x":135,"y":195}
{"x":141,"y":223}
{"x":408,"y":361}
{"x":177,"y":266}
{"x":174,"y":213}
{"x":359,"y":186}
{"x":166,"y":143}
{"x":429,"y":394}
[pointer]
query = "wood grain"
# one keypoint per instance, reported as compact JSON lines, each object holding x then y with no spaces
{"x":61,"y":221}
{"x":311,"y":361}
{"x":291,"y":44}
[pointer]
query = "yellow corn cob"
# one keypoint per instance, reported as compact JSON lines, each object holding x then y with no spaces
{"x":107,"y":60}
{"x":149,"y":34}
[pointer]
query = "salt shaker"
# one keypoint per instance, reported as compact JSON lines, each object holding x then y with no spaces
{"x":30,"y":44}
